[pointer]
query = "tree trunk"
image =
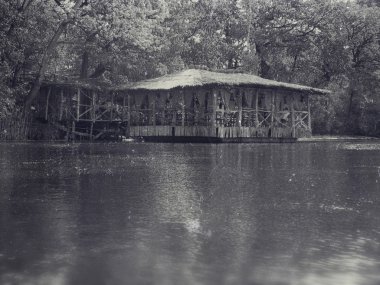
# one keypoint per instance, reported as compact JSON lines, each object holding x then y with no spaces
{"x":350,"y":125}
{"x":16,"y":73}
{"x":99,"y":70}
{"x":230,"y":63}
{"x":84,"y":67}
{"x":349,"y":111}
{"x":43,"y":66}
{"x":264,"y":67}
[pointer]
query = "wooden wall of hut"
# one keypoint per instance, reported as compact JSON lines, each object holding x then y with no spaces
{"x":257,"y":112}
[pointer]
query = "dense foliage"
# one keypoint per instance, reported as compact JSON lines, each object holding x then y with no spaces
{"x":326,"y":44}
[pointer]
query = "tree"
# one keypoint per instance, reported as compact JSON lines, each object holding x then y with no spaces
{"x":313,"y":42}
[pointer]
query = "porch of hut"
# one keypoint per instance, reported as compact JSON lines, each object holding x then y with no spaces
{"x":81,"y":111}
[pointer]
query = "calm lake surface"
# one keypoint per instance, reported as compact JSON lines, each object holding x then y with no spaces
{"x":272,"y":214}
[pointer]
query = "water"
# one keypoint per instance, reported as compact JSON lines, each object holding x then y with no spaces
{"x":272,"y":214}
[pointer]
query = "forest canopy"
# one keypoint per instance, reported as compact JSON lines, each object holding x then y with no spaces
{"x":324,"y":44}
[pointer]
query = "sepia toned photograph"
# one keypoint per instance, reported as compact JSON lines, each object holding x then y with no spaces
{"x":189,"y":142}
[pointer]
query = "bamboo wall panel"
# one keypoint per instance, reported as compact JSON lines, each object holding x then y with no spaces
{"x":204,"y":131}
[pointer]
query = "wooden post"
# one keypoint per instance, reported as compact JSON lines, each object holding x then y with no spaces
{"x":174,"y":112}
{"x":93,"y":106}
{"x":154,"y":109}
{"x":195,"y":110}
{"x":112,"y":106}
{"x":183,"y":110}
{"x":67,"y":133}
{"x":240,"y":107}
{"x":257,"y":108}
{"x":91,"y":131}
{"x":272,"y":107}
{"x":73,"y":130}
{"x":129,"y":114}
{"x":78,"y":103}
{"x":214,"y":102}
{"x":293,"y":117}
{"x":273,"y":94}
{"x":164,"y":109}
{"x":47,"y":104}
{"x":61,"y":106}
{"x":309,"y":113}
{"x":123,"y":113}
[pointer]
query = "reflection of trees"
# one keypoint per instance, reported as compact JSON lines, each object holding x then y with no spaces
{"x":282,"y":191}
{"x":35,"y":235}
{"x":305,"y":221}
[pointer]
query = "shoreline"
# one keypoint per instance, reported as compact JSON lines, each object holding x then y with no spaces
{"x":338,"y":138}
{"x":317,"y":138}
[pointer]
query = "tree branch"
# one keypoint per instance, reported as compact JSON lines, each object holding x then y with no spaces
{"x":46,"y":57}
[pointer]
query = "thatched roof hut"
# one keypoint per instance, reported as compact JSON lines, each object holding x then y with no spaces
{"x":204,"y":78}
{"x":191,"y":105}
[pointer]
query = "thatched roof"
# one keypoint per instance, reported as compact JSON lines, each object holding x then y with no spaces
{"x":202,"y":78}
